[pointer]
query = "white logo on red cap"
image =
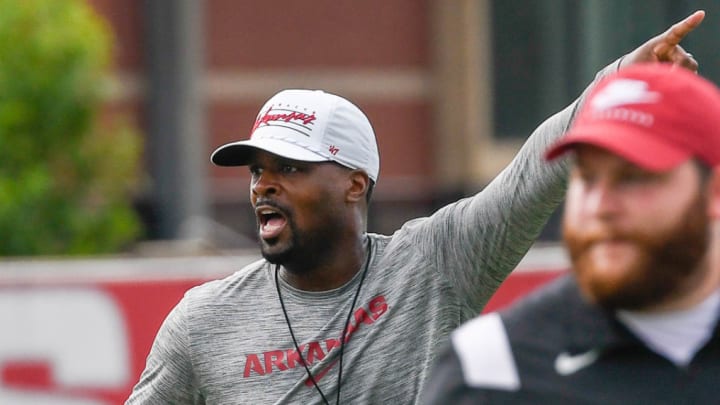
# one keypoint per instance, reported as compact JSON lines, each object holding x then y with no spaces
{"x":622,"y":92}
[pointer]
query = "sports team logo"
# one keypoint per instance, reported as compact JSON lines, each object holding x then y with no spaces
{"x":620,"y":101}
{"x":286,"y":117}
{"x":623,"y":92}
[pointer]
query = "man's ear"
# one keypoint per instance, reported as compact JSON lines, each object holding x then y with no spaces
{"x":714,"y":194}
{"x":359,"y":183}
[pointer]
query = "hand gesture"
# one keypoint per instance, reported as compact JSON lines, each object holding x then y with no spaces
{"x":666,"y":46}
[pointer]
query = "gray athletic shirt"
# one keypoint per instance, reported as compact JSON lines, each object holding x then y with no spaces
{"x":227,"y":341}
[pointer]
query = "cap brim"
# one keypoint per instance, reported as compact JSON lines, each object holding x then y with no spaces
{"x":635,"y":145}
{"x":239,"y":153}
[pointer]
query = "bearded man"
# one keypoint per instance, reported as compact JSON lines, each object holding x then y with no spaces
{"x":636,"y":320}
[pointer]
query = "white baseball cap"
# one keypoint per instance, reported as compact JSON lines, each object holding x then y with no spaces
{"x":310,"y":126}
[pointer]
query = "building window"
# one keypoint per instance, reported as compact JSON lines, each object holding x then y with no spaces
{"x":546,"y":52}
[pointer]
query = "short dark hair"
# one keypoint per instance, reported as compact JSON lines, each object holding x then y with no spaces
{"x":370,"y":189}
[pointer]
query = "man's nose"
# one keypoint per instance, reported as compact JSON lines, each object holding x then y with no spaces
{"x":264,"y":184}
{"x":602,"y":199}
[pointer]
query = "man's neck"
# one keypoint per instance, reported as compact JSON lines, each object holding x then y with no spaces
{"x":677,"y":335}
{"x":333,"y":271}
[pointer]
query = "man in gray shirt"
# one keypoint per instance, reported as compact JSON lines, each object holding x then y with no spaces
{"x":334,"y":314}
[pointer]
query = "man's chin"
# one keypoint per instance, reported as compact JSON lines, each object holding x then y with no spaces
{"x":613,"y":252}
{"x":607,"y":279}
{"x":611,"y":260}
{"x":274,"y":258}
{"x":274,"y":251}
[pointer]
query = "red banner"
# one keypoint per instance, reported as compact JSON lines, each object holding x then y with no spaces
{"x":73,"y":337}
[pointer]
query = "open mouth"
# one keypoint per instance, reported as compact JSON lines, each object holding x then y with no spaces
{"x":271,"y":220}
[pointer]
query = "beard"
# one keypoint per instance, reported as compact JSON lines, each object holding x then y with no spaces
{"x":664,"y":265}
{"x":305,"y":249}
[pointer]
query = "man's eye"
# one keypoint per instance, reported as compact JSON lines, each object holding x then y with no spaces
{"x":288,"y":169}
{"x":255,"y":171}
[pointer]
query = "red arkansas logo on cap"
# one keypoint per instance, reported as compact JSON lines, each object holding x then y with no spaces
{"x":285,"y":115}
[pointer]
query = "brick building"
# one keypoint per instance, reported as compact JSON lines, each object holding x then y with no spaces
{"x":451,"y":87}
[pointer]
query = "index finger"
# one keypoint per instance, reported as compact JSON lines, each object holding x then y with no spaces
{"x":667,"y":41}
{"x":679,"y":30}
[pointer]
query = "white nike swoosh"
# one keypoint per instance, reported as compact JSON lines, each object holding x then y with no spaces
{"x":567,"y":364}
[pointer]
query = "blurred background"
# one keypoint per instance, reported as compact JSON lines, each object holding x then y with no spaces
{"x":109,"y":114}
{"x":109,"y":110}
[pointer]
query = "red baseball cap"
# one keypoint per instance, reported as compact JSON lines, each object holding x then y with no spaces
{"x":654,"y":115}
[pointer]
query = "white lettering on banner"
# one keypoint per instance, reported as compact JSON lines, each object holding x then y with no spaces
{"x":78,"y":332}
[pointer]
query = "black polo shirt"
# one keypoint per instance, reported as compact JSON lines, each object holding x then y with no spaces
{"x":566,"y":351}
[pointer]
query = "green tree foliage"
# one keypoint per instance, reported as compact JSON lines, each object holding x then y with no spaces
{"x":66,"y":174}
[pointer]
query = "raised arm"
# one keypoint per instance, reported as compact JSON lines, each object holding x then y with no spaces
{"x":478,"y":241}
